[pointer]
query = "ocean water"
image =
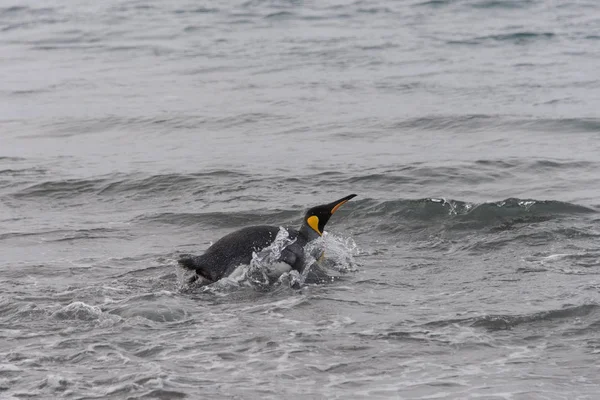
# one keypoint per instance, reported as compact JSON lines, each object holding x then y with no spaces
{"x":135,"y":131}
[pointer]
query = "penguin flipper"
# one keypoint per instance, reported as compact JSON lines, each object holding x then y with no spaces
{"x":193,"y":263}
{"x":289,"y":257}
{"x":187,"y":261}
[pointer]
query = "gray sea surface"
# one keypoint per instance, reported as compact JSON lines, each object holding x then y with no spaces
{"x":132,"y":132}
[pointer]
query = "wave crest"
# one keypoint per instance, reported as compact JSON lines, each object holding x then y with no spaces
{"x":461,"y":214}
{"x":496,"y":322}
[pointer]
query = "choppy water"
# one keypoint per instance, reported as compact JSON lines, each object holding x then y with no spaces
{"x":134,"y":131}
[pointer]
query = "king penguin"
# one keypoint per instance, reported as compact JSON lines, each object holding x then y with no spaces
{"x":235,"y":249}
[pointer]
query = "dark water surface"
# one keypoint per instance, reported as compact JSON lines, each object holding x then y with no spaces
{"x":135,"y":131}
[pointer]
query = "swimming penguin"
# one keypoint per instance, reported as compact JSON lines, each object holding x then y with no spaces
{"x":235,"y":249}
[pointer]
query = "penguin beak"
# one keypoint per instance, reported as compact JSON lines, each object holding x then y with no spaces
{"x":338,"y":203}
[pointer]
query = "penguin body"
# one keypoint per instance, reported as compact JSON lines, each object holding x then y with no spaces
{"x":235,"y":249}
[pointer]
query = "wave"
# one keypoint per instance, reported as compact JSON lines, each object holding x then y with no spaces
{"x":496,"y":322}
{"x":109,"y":186}
{"x":518,"y":37}
{"x":485,"y":4}
{"x":61,"y":189}
{"x":61,"y":235}
{"x":11,"y":172}
{"x":157,"y":307}
{"x":281,"y":15}
{"x":435,"y":122}
{"x":478,"y":122}
{"x":78,"y":311}
{"x":167,"y":182}
{"x":394,"y":215}
{"x":197,"y":10}
{"x":18,"y":177}
{"x":506,"y":4}
{"x":512,"y":210}
{"x":436,"y":3}
{"x":240,"y":189}
{"x":221,"y":219}
{"x":536,"y":165}
{"x":8,"y":158}
{"x":68,"y":127}
{"x":233,"y":186}
{"x":24,"y":10}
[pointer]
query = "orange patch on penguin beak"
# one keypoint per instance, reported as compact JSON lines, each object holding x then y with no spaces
{"x":338,"y":205}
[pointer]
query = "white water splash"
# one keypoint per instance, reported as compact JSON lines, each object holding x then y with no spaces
{"x":264,"y":264}
{"x":78,"y":311}
{"x":330,"y":252}
{"x":334,"y":252}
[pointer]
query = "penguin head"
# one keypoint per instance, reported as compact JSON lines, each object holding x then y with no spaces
{"x":316,"y":217}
